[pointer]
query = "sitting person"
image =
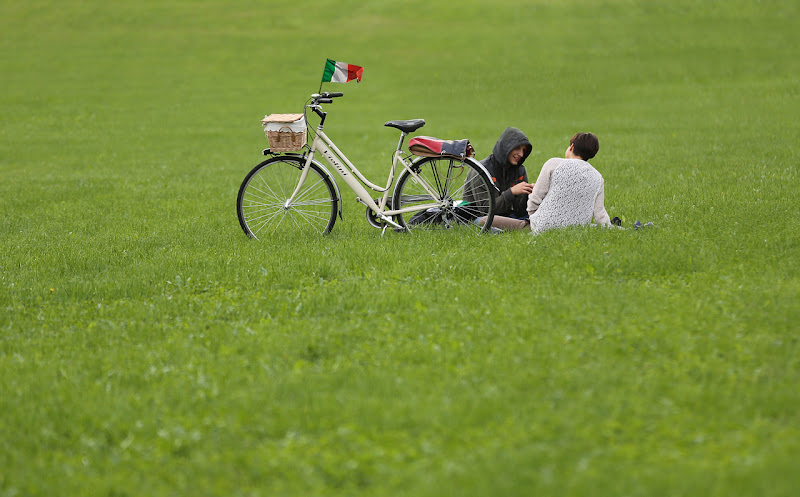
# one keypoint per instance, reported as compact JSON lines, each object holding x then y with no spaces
{"x":505,"y":166}
{"x":569,"y":191}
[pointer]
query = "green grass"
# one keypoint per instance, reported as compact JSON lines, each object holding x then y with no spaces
{"x":147,"y":347}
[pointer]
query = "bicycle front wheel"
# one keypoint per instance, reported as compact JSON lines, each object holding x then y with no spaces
{"x":460,"y":188}
{"x":262,"y":204}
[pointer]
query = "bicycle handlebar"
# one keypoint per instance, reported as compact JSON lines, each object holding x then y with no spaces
{"x":327,"y":94}
{"x":322,"y":98}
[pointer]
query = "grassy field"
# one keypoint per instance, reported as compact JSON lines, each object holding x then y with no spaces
{"x":148,"y":347}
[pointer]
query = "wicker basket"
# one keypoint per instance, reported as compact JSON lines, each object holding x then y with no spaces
{"x":286,"y":132}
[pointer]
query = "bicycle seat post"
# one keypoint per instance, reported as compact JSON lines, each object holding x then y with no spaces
{"x":403,"y":135}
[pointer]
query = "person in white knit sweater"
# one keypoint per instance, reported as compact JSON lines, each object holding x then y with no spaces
{"x":568,"y":191}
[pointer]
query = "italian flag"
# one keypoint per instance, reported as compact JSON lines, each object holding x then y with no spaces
{"x":341,"y":72}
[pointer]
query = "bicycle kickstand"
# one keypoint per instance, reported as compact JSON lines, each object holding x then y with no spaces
{"x":388,"y":222}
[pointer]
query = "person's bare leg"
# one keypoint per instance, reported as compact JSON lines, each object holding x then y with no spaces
{"x":505,"y":223}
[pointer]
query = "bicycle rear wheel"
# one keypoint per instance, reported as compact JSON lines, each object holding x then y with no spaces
{"x":461,"y":187}
{"x":261,"y":204}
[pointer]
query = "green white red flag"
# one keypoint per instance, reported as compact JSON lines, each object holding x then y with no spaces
{"x":341,"y":72}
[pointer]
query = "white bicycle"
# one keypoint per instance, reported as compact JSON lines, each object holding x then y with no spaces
{"x":292,"y":190}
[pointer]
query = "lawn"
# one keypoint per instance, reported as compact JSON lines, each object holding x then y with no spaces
{"x":148,"y":347}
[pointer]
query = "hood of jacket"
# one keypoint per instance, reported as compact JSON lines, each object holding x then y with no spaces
{"x":510,"y":139}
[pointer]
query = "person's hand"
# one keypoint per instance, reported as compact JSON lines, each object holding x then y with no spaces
{"x":522,"y":188}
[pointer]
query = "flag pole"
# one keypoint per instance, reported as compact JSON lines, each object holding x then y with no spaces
{"x":322,"y":79}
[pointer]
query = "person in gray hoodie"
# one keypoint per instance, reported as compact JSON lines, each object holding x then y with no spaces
{"x":505,"y":166}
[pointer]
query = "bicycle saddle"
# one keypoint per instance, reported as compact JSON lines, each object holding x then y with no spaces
{"x":407,"y":126}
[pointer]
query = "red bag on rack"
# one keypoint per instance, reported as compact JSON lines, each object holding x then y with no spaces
{"x":428,"y":146}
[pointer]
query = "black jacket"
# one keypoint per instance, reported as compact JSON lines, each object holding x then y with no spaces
{"x":505,"y":175}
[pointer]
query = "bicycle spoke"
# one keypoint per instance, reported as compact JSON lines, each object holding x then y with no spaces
{"x":447,"y":181}
{"x":309,"y":203}
{"x":271,"y":193}
{"x":311,"y":218}
{"x":268,"y":219}
{"x":437,"y":179}
{"x":259,"y":201}
{"x":265,"y":195}
{"x":310,"y":191}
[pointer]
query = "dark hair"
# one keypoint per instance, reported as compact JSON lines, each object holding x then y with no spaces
{"x":585,"y":145}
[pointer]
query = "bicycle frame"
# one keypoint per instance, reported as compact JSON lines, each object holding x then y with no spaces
{"x":349,"y":172}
